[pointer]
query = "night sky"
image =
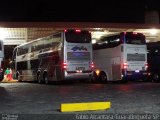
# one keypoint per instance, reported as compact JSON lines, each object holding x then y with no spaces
{"x":122,"y":11}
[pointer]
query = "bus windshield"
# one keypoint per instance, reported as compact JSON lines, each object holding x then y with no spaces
{"x":135,"y":39}
{"x":78,"y":36}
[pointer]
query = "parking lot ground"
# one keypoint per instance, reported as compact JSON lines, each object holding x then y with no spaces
{"x":33,"y":98}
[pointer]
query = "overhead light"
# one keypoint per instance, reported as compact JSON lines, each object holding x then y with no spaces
{"x":147,"y":41}
{"x":98,"y":34}
{"x":3,"y":33}
{"x":93,"y":41}
{"x":97,"y":28}
{"x":153,"y":31}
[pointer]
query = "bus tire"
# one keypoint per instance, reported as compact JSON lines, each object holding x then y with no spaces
{"x":95,"y":77}
{"x":17,"y":75}
{"x":103,"y":77}
{"x":19,"y":79}
{"x":45,"y":77}
{"x":1,"y":76}
{"x":124,"y":80}
{"x":39,"y":80}
{"x":156,"y":77}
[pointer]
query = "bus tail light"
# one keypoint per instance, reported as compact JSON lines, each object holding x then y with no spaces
{"x":64,"y":65}
{"x":125,"y":65}
{"x":146,"y":65}
{"x":134,"y":33}
{"x":2,"y":65}
{"x":92,"y":65}
{"x":78,"y":31}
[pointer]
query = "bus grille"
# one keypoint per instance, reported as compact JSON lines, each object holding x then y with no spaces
{"x":135,"y":57}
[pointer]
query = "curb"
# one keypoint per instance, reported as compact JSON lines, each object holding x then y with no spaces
{"x":71,"y":107}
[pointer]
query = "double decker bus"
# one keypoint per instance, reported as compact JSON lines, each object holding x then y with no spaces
{"x":1,"y":60}
{"x":120,"y":57}
{"x":64,"y":55}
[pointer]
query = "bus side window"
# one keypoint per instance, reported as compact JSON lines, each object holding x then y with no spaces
{"x":22,"y":65}
{"x":114,"y":41}
{"x":22,"y":51}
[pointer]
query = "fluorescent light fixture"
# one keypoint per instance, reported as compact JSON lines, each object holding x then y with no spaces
{"x":147,"y":41}
{"x":153,"y":31}
{"x":98,"y":34}
{"x":3,"y":33}
{"x":93,"y":41}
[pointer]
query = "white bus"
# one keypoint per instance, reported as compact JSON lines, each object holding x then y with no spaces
{"x":1,"y":60}
{"x":120,"y":57}
{"x":62,"y":56}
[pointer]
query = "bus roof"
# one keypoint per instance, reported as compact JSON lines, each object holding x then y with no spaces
{"x":35,"y":40}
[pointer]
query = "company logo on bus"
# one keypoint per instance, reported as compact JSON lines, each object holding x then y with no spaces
{"x":82,"y":48}
{"x":136,"y":49}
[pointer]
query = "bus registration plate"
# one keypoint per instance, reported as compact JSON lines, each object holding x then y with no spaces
{"x":80,"y":68}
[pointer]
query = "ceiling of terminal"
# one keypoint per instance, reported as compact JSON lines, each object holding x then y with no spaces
{"x":16,"y":36}
{"x":152,"y":35}
{"x":19,"y":35}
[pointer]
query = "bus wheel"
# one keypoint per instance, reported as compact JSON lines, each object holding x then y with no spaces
{"x":1,"y":76}
{"x":156,"y":77}
{"x":19,"y":78}
{"x":45,"y":78}
{"x":124,"y":81}
{"x":95,"y":77}
{"x":39,"y":78}
{"x":103,"y":77}
{"x":17,"y":75}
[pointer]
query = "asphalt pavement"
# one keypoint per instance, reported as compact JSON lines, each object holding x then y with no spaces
{"x":32,"y":100}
